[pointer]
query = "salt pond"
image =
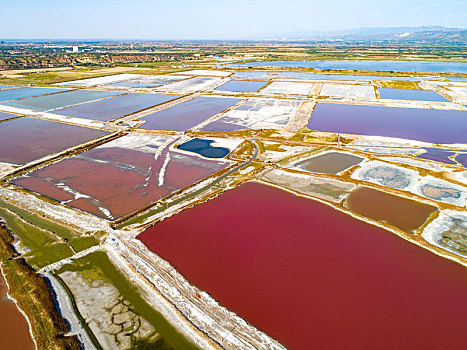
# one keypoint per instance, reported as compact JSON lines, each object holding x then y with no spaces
{"x":280,"y":257}
{"x":428,"y":125}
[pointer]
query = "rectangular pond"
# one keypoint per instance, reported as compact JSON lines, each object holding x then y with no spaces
{"x":328,"y":162}
{"x":115,"y":107}
{"x":187,"y":115}
{"x":147,"y":81}
{"x":25,"y":139}
{"x":14,"y":94}
{"x":68,"y":98}
{"x":313,"y":277}
{"x":406,"y":214}
{"x":121,"y":176}
{"x":241,"y":86}
{"x":410,"y":94}
{"x":312,"y":76}
{"x":428,"y":125}
{"x":399,"y":66}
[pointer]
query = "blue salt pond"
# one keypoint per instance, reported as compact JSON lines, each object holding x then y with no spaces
{"x":204,"y":148}
{"x":414,"y":95}
{"x":7,"y":95}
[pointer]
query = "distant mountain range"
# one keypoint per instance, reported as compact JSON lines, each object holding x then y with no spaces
{"x":404,"y":34}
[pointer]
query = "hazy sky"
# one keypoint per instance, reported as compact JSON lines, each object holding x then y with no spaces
{"x":214,"y":19}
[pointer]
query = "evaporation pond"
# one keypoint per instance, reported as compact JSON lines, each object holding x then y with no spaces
{"x":328,"y":163}
{"x":14,"y":94}
{"x":438,"y":155}
{"x":44,"y":103}
{"x":428,"y":125}
{"x":115,"y":107}
{"x":186,"y":115}
{"x":5,"y":116}
{"x":313,"y":277}
{"x":120,"y":176}
{"x":204,"y":148}
{"x":241,"y":86}
{"x":14,"y":330}
{"x":401,"y":212}
{"x":25,"y":139}
{"x":409,"y":94}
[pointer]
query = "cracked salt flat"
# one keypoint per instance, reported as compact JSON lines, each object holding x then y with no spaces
{"x":192,"y":85}
{"x":99,"y":80}
{"x":288,"y":88}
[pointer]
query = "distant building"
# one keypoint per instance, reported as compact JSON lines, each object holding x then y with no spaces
{"x":75,"y":49}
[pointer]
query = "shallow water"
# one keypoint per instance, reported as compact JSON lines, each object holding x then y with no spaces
{"x":7,"y":95}
{"x":204,"y":148}
{"x":313,"y":277}
{"x":328,"y":163}
{"x":14,"y":329}
{"x":113,"y":182}
{"x":241,"y":86}
{"x":400,"y":66}
{"x":44,"y":103}
{"x":115,"y":107}
{"x":438,"y":155}
{"x":187,"y":115}
{"x":312,"y":76}
{"x":409,"y":94}
{"x":5,"y":116}
{"x":25,"y":139}
{"x":404,"y":213}
{"x":429,"y":125}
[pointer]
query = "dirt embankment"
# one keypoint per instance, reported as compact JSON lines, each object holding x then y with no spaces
{"x":34,"y":297}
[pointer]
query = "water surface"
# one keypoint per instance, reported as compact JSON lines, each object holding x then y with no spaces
{"x":5,"y":116}
{"x":7,"y":95}
{"x":328,"y":163}
{"x":241,"y":86}
{"x":406,"y":214}
{"x":399,"y":66}
{"x":428,"y":125}
{"x":25,"y":139}
{"x":187,"y":115}
{"x":44,"y":103}
{"x":313,"y":277}
{"x":14,"y":329}
{"x":409,"y":94}
{"x":115,"y":107}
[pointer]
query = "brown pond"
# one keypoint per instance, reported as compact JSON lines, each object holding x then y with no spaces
{"x":313,"y":277}
{"x":404,"y":213}
{"x":329,"y":163}
{"x":14,"y":330}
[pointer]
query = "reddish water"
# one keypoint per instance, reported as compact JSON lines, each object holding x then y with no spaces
{"x":313,"y":277}
{"x":25,"y":139}
{"x":117,"y":179}
{"x":14,"y":331}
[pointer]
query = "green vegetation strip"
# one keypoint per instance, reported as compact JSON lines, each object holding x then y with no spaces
{"x":34,"y":297}
{"x":46,"y":241}
{"x":98,"y":267}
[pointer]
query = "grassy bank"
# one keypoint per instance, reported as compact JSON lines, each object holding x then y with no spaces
{"x":35,"y":298}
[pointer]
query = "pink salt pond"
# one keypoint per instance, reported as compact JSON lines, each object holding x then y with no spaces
{"x":313,"y":277}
